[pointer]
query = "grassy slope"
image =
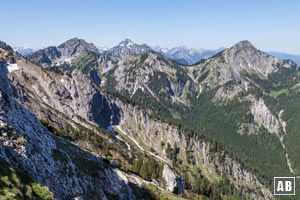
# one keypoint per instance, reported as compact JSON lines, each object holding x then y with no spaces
{"x":15,"y":184}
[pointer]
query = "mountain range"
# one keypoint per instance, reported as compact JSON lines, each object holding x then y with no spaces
{"x":132,"y":122}
{"x":181,"y":54}
{"x":185,"y":55}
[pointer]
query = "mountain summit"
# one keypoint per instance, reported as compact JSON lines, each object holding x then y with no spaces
{"x":75,"y":45}
{"x":244,"y":44}
{"x":122,"y":50}
{"x":235,"y":63}
{"x":128,"y":47}
{"x":65,"y":53}
{"x":126,"y":43}
{"x":243,"y":56}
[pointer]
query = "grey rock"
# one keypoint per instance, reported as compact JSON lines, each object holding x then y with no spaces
{"x":173,"y":181}
{"x":263,"y":116}
{"x":75,"y":96}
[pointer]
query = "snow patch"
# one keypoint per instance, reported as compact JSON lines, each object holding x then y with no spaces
{"x":68,"y":60}
{"x":12,"y":67}
{"x":129,"y":44}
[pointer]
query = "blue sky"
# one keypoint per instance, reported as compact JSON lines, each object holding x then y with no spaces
{"x":210,"y":24}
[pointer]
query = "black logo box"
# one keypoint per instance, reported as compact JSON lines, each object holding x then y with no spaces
{"x":283,"y":183}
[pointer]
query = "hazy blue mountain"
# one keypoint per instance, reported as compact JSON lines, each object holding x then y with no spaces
{"x":285,"y":56}
{"x":24,"y":51}
{"x":186,"y":56}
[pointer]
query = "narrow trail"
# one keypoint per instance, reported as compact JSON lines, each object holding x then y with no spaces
{"x":283,"y":124}
{"x":119,"y":128}
{"x":138,"y":180}
{"x":286,"y":156}
{"x":128,"y":145}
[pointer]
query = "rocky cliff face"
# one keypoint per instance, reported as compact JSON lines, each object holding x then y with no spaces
{"x":68,"y":171}
{"x":74,"y":95}
{"x":150,"y":133}
{"x":151,"y":77}
{"x":263,"y":116}
{"x":173,"y":181}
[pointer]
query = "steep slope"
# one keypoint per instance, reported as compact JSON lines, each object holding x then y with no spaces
{"x":74,"y":95}
{"x":25,"y":143}
{"x":44,"y":94}
{"x":204,"y":166}
{"x":67,"y":170}
{"x":14,"y":184}
{"x":151,"y":80}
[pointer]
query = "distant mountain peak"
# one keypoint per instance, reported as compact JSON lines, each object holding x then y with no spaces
{"x":127,"y":43}
{"x":24,"y":51}
{"x":72,"y":42}
{"x":185,"y":55}
{"x":162,"y":50}
{"x":76,"y":45}
{"x":101,"y":49}
{"x":244,"y":49}
{"x":74,"y":39}
{"x":243,"y":45}
{"x":243,"y":56}
{"x":64,"y":53}
{"x":128,"y":47}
